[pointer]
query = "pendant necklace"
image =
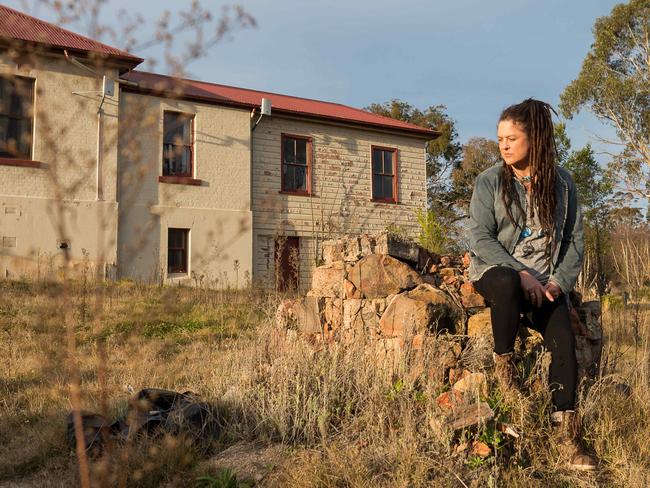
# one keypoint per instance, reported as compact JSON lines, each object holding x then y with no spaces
{"x":527,"y":231}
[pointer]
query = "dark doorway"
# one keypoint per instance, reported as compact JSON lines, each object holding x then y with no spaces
{"x":287,"y":263}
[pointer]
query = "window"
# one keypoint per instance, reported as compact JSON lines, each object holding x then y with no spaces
{"x":177,"y":247}
{"x":296,"y":164}
{"x":384,"y":174}
{"x":177,"y":144}
{"x":16,"y":117}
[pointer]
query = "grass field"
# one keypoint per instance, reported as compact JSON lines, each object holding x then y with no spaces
{"x":294,"y":414}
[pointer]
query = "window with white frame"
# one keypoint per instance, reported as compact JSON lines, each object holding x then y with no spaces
{"x":178,"y":144}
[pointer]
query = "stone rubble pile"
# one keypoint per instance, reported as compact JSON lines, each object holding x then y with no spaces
{"x":396,"y":296}
{"x":382,"y":287}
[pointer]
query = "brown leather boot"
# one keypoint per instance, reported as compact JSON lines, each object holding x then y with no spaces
{"x":566,"y":433}
{"x":505,"y":371}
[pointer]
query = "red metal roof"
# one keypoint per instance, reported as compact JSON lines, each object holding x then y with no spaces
{"x":230,"y":95}
{"x":23,"y":27}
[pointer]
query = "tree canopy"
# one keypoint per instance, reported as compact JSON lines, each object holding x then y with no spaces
{"x":479,"y":154}
{"x":614,"y":83}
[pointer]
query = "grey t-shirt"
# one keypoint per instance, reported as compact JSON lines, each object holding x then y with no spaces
{"x":530,"y":250}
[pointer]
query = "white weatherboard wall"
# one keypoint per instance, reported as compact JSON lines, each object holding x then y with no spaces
{"x":341,"y":185}
{"x":217,"y":212}
{"x":232,"y":238}
{"x":39,"y":207}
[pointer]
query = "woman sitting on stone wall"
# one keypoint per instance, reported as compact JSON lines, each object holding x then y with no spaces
{"x":527,"y":250}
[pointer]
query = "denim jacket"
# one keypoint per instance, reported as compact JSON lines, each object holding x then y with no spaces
{"x":493,"y":237}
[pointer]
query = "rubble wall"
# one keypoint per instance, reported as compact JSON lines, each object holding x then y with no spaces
{"x":392,"y":293}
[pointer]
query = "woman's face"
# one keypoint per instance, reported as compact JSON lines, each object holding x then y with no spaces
{"x":513,"y":144}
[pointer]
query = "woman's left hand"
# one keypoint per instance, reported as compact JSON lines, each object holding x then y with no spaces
{"x":553,"y":288}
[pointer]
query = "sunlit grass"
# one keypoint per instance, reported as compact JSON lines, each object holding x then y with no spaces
{"x":344,"y":417}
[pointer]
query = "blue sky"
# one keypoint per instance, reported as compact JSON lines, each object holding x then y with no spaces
{"x":475,"y":57}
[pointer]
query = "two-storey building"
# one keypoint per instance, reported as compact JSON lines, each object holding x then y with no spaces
{"x":58,"y":147}
{"x":180,"y":180}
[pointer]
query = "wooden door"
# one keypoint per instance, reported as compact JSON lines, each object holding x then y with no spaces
{"x":287,"y":263}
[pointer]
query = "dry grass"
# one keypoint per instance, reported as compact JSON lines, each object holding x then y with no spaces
{"x":341,"y":416}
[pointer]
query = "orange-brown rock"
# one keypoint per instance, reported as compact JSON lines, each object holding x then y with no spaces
{"x":480,"y":449}
{"x":467,"y":289}
{"x":467,"y":414}
{"x":332,"y":251}
{"x":418,"y":342}
{"x":450,"y":399}
{"x":378,"y":275}
{"x":392,"y":245}
{"x":301,"y":314}
{"x":333,"y":313}
{"x":361,"y":316}
{"x":473,"y":301}
{"x":327,"y":280}
{"x":456,"y":374}
{"x":473,"y":384}
{"x":351,"y":290}
{"x":480,"y":324}
{"x":421,"y":310}
{"x":449,"y":272}
{"x":450,"y":280}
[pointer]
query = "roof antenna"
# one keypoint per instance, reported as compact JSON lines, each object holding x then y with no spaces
{"x":265,"y":109}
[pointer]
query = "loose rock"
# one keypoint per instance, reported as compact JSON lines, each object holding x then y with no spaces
{"x":377,"y":276}
{"x":474,"y":384}
{"x":423,"y":310}
{"x":480,"y":449}
{"x":397,"y":247}
{"x":480,"y":324}
{"x":327,"y":280}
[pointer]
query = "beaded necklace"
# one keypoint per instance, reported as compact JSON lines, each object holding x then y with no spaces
{"x":525,"y":179}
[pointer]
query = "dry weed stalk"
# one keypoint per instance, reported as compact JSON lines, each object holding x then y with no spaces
{"x":632,"y":262}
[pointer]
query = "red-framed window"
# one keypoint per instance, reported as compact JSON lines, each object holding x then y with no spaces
{"x":177,"y":250}
{"x":16,"y":117}
{"x":384,"y":174}
{"x":178,"y":144}
{"x":296,"y":156}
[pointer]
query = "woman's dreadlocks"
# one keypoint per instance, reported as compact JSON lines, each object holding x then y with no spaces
{"x":534,"y":118}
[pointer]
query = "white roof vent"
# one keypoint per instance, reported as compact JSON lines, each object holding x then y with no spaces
{"x":265,"y":108}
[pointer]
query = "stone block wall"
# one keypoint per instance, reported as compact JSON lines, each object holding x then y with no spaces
{"x":389,"y":291}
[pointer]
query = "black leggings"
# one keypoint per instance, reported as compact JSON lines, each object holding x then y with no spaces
{"x":501,"y":286}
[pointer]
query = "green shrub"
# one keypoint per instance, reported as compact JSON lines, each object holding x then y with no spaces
{"x":433,"y":234}
{"x":225,"y":478}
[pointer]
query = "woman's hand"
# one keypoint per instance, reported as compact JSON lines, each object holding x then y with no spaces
{"x":554,"y":289}
{"x":534,"y":291}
